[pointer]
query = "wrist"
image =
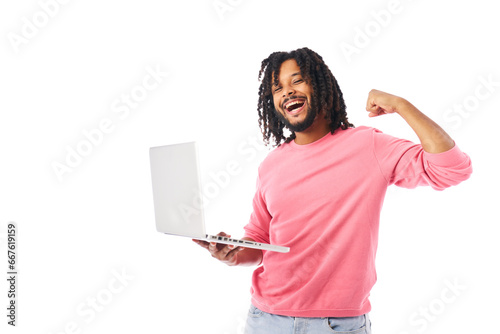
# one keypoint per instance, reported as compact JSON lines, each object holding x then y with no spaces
{"x":403,"y":106}
{"x":407,"y":110}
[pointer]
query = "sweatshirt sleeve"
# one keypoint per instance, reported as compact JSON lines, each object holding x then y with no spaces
{"x":407,"y":165}
{"x":258,"y":226}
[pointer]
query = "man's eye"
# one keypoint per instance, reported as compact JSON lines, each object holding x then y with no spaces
{"x":277,"y":89}
{"x":299,"y":81}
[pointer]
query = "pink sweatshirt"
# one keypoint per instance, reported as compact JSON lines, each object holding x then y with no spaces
{"x":323,"y":200}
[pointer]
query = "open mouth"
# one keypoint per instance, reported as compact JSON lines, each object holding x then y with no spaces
{"x":294,"y":106}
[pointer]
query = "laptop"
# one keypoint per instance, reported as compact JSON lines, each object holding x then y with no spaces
{"x":177,"y":196}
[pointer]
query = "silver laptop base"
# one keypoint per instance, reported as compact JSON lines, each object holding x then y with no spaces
{"x":246,"y":243}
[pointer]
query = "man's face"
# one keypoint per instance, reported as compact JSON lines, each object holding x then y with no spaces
{"x":292,"y":98}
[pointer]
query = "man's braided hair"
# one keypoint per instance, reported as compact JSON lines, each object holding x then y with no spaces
{"x":327,"y":95}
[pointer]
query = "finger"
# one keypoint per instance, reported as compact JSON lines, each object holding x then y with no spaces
{"x":371,"y":104}
{"x":233,"y":252}
{"x":370,"y":101}
{"x":373,"y":108}
{"x":218,"y":251}
{"x":376,"y":111}
{"x":226,"y":250}
{"x":377,"y":115}
{"x":212,"y":247}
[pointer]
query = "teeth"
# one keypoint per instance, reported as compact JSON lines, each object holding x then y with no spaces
{"x":288,"y":105}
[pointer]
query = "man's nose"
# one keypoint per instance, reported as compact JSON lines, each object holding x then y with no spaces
{"x":287,"y":91}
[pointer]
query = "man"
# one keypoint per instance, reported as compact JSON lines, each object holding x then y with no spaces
{"x":320,"y":192}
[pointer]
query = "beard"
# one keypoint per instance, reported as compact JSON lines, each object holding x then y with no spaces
{"x":300,"y":126}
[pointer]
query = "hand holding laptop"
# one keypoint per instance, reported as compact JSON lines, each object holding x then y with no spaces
{"x":230,"y":254}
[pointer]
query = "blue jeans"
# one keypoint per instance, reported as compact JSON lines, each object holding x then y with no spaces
{"x":260,"y":322}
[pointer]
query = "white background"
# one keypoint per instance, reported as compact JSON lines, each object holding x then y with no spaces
{"x":77,"y":233}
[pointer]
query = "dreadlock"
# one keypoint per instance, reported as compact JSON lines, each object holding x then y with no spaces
{"x":326,"y":93}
